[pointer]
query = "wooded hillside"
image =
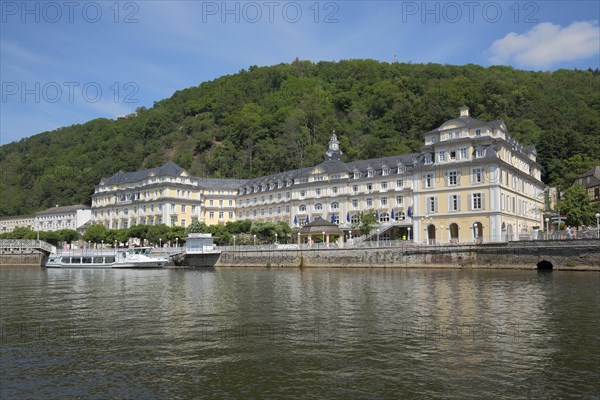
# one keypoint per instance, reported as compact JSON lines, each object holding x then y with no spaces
{"x":270,"y":119}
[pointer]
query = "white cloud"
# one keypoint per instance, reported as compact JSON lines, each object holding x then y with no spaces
{"x":547,"y":44}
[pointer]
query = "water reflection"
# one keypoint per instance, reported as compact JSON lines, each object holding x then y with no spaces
{"x":298,"y":333}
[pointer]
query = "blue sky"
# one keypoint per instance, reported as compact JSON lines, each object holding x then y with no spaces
{"x":63,"y":63}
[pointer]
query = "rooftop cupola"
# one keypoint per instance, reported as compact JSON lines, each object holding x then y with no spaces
{"x":333,"y":151}
{"x":464,"y":111}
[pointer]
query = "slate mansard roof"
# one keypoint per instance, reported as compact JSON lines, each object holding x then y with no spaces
{"x":171,"y":169}
{"x":63,"y":210}
{"x":167,"y":169}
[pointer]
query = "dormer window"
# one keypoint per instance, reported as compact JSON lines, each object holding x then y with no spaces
{"x":441,"y":155}
{"x":480,"y":153}
{"x":401,"y":167}
{"x":386,"y":171}
{"x":427,"y":159}
{"x":370,"y":173}
{"x":477,"y":132}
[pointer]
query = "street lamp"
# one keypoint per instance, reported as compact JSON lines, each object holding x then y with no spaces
{"x":547,"y":226}
{"x":598,"y":225}
{"x":176,"y":242}
{"x":409,"y":233}
{"x":160,"y":243}
{"x":475,"y":230}
{"x":233,"y":242}
{"x":275,"y":238}
{"x":323,"y":237}
{"x":255,"y":240}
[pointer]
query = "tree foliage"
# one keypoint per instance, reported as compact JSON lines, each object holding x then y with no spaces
{"x":577,"y":206}
{"x":269,"y":119}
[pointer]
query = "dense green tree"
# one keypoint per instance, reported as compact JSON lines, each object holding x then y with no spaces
{"x":367,"y":222}
{"x":96,"y":234}
{"x":158,"y":233}
{"x":577,"y":206}
{"x":196,"y":227}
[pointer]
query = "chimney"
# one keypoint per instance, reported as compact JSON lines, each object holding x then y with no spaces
{"x":464,"y":111}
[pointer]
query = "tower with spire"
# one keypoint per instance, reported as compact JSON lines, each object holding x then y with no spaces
{"x":333,"y":150}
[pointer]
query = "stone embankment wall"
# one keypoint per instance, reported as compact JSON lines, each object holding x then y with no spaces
{"x":27,"y":259}
{"x":561,"y":254}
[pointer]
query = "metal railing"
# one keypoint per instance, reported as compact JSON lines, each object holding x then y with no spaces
{"x":24,"y":244}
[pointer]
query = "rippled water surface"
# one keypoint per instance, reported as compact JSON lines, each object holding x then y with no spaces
{"x":323,"y":333}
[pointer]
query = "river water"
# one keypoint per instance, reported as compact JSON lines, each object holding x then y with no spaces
{"x":291,"y":333}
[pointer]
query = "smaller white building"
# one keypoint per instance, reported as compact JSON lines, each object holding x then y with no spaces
{"x":67,"y":217}
{"x":200,"y":243}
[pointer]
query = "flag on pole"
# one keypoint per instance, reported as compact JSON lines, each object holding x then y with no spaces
{"x":296,"y":220}
{"x":376,"y":213}
{"x":333,"y":218}
{"x":348,"y":216}
{"x":307,"y":220}
{"x":409,"y":212}
{"x":392,"y":215}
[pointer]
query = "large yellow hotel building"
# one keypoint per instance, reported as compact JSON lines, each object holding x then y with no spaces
{"x":164,"y":195}
{"x":471,"y":182}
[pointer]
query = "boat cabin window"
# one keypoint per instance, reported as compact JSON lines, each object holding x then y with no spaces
{"x":76,"y":260}
{"x":66,"y":260}
{"x":98,"y":260}
{"x":86,"y":260}
{"x":109,"y":259}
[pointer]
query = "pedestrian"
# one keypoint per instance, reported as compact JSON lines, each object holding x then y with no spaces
{"x":569,"y":234}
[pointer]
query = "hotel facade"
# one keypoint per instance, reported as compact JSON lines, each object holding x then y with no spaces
{"x":165,"y":195}
{"x":470,"y":182}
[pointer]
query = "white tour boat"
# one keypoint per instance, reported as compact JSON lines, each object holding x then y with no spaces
{"x":138,"y":257}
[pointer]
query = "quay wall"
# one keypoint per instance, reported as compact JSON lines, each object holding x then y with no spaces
{"x":25,"y":259}
{"x":562,"y":254}
{"x":580,"y":255}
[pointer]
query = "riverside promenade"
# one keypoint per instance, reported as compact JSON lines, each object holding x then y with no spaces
{"x":560,"y":254}
{"x":575,"y":255}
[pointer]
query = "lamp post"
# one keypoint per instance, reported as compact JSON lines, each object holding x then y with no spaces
{"x":176,"y":242}
{"x":475,"y":231}
{"x":233,"y":242}
{"x":598,"y":225}
{"x":102,"y":246}
{"x":254,"y":240}
{"x":160,"y":243}
{"x":323,"y":238}
{"x":409,"y":233}
{"x":547,"y":227}
{"x":275,"y":239}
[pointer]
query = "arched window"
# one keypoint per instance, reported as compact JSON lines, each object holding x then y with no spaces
{"x":335,"y":206}
{"x":384,"y":217}
{"x":318,"y":207}
{"x":302,"y":208}
{"x":355,"y":219}
{"x":400,"y":216}
{"x":453,"y":233}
